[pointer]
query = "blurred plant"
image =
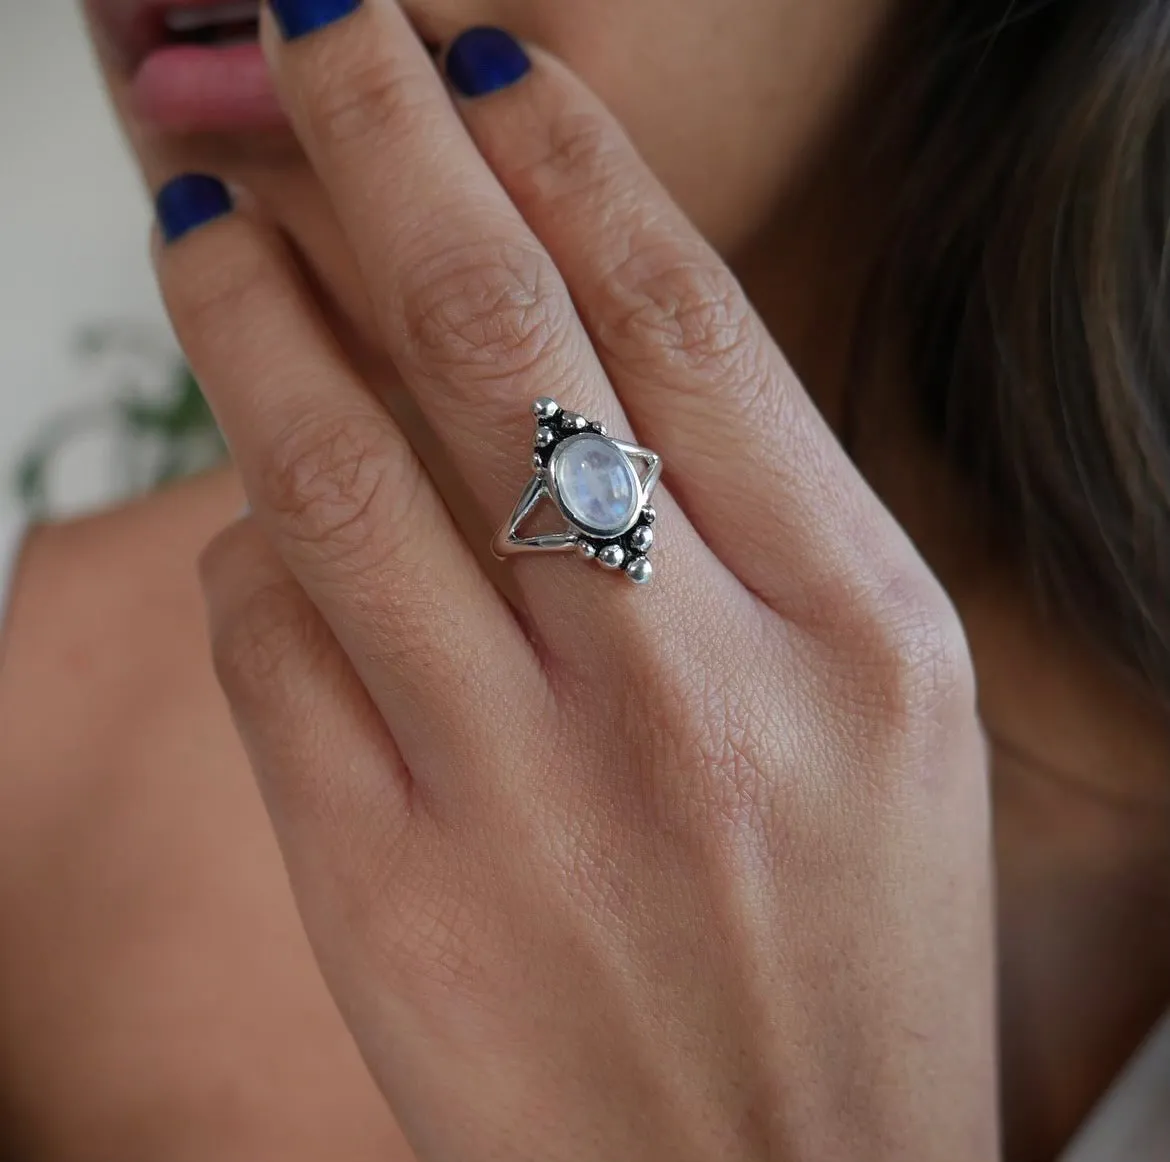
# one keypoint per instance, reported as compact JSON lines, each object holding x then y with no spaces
{"x":156,"y":426}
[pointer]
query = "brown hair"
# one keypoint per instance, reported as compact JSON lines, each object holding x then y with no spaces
{"x":1034,"y":263}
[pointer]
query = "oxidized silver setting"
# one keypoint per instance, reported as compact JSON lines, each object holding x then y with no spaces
{"x":622,"y":543}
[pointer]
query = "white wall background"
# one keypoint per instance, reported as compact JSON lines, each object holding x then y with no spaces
{"x":73,"y":230}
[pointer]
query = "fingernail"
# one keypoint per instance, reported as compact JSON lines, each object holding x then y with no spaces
{"x":187,"y":202}
{"x":484,"y":60}
{"x":297,"y":18}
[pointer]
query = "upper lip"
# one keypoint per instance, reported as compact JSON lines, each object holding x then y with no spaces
{"x":137,"y":27}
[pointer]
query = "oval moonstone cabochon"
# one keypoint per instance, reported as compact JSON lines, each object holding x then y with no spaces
{"x":595,"y":485}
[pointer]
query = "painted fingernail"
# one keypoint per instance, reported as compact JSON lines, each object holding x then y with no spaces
{"x":297,"y":18}
{"x":187,"y":202}
{"x":484,"y":60}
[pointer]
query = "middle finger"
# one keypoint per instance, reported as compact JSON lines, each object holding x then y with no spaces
{"x":470,"y":306}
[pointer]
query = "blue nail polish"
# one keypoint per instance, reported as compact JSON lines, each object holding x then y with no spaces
{"x":484,"y":60}
{"x":298,"y":18}
{"x":185,"y":203}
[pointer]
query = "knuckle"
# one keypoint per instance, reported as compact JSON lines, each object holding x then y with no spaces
{"x":928,"y":640}
{"x":689,"y":312}
{"x":253,"y":639}
{"x":576,"y":156}
{"x":327,"y":480}
{"x":911,"y":650}
{"x":356,"y":104}
{"x":222,"y":561}
{"x":490,"y":312}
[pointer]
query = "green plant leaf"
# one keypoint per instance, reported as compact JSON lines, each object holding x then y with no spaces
{"x":30,"y":480}
{"x":158,"y":439}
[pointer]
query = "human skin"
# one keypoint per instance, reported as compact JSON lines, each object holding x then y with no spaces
{"x":696,"y":872}
{"x":1074,"y":719}
{"x":159,"y":998}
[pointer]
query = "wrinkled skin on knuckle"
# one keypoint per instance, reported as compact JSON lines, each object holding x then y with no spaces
{"x":485,"y":314}
{"x":332,"y":481}
{"x":351,"y":105}
{"x":573,"y":163}
{"x":255,"y":635}
{"x":670,"y":310}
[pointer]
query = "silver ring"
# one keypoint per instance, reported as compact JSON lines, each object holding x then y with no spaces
{"x":601,"y":488}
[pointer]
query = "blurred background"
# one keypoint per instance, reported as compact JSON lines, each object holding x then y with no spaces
{"x":93,"y":399}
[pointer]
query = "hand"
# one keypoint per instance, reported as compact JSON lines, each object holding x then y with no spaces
{"x":698,"y":871}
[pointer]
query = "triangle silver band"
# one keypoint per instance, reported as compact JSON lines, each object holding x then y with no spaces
{"x":508,"y":541}
{"x":653,"y":462}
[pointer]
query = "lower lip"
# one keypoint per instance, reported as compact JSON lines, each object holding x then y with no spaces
{"x":194,"y":89}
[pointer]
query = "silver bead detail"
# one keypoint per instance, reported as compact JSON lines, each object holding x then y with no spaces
{"x":639,"y":570}
{"x":612,"y":556}
{"x":545,"y":408}
{"x":642,"y":538}
{"x":573,"y":422}
{"x":649,"y":515}
{"x":544,"y":437}
{"x":587,"y":550}
{"x":537,"y":462}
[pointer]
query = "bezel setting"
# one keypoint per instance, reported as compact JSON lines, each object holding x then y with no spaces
{"x":622,"y":547}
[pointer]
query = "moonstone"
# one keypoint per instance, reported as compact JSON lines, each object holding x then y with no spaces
{"x":596,"y":484}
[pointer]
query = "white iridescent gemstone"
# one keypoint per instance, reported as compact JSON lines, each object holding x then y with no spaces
{"x":596,"y":484}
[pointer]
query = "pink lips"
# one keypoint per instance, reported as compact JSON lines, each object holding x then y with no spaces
{"x":193,"y":65}
{"x":206,"y":89}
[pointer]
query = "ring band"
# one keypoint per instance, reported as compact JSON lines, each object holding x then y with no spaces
{"x":600,"y":486}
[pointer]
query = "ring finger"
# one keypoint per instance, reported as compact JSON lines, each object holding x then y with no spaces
{"x":469,"y":303}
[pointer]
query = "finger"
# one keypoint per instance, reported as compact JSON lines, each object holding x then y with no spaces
{"x":697,"y":373}
{"x":470,"y":307}
{"x":345,"y":810}
{"x":324,"y":756}
{"x":336,"y":485}
{"x":473,"y":312}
